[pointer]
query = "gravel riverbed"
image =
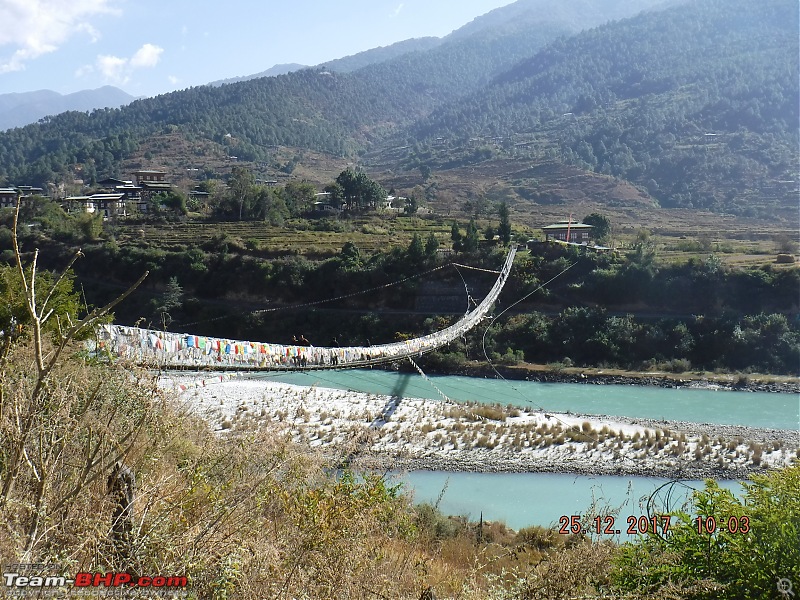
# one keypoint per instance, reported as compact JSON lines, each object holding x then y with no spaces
{"x":381,"y":432}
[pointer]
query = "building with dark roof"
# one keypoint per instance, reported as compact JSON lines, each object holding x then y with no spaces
{"x":575,"y":233}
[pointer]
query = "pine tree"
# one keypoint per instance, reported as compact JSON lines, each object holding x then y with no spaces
{"x":431,"y":246}
{"x":455,"y":233}
{"x":416,"y":251}
{"x":504,"y":229}
{"x":472,"y":238}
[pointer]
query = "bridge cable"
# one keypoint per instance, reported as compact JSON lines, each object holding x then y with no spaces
{"x":425,"y":377}
{"x":668,"y":482}
{"x":326,"y":300}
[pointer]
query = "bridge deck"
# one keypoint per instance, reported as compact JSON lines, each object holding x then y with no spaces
{"x":165,"y":349}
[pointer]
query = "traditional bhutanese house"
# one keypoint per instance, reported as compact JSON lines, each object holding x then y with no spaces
{"x":111,"y":205}
{"x":323,"y":207}
{"x":74,"y":204}
{"x":393,"y":204}
{"x":198,"y":195}
{"x":120,"y":186}
{"x":8,"y":197}
{"x":574,"y":233}
{"x":150,"y":189}
{"x":150,"y":182}
{"x":133,"y":193}
{"x":323,"y":203}
{"x":29,"y":190}
{"x":150,"y":176}
{"x":140,"y":204}
{"x":110,"y":183}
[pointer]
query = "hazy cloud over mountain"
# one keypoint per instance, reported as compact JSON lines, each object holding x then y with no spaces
{"x":17,"y":110}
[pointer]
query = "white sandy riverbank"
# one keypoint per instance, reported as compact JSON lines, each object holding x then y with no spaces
{"x":385,"y":432}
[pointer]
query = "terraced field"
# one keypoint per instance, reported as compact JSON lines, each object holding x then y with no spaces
{"x":733,"y":244}
{"x":368,"y":233}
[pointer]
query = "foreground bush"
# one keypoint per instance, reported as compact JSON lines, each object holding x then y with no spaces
{"x":102,"y":470}
{"x":742,"y":564}
{"x":226,"y":512}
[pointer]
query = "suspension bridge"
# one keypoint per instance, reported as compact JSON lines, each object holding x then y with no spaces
{"x":180,"y":350}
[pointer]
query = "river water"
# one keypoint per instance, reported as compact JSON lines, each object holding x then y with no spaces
{"x":523,"y":499}
{"x":722,"y":407}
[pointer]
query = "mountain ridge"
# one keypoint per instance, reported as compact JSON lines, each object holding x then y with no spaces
{"x":643,"y":98}
{"x":632,"y":99}
{"x":273,"y":71}
{"x":515,"y":16}
{"x":577,"y":15}
{"x":18,"y":109}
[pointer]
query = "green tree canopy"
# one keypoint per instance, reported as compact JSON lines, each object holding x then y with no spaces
{"x":173,"y":199}
{"x":412,"y":205}
{"x":472,"y":238}
{"x":431,"y":245}
{"x":15,"y":319}
{"x":416,"y":250}
{"x":455,"y":234}
{"x":359,"y":190}
{"x":350,"y":257}
{"x":601,"y":224}
{"x":504,"y":228}
{"x":240,"y":188}
{"x":299,"y":196}
{"x":755,"y":542}
{"x":335,"y":193}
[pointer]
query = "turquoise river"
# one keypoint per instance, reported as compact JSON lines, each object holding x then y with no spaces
{"x":523,"y":499}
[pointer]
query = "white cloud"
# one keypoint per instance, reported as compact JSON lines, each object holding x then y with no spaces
{"x":84,"y":70}
{"x":118,"y":70}
{"x":173,"y":80}
{"x":397,"y":10}
{"x":31,"y":28}
{"x":94,"y":35}
{"x":146,"y":56}
{"x":113,"y":68}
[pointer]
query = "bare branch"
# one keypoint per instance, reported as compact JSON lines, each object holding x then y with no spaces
{"x":30,"y":290}
{"x":25,"y":423}
{"x":17,"y":253}
{"x":99,"y":313}
{"x":63,"y":274}
{"x":89,"y":320}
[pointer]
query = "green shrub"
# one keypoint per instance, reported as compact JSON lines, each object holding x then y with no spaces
{"x":430,"y":521}
{"x":745,"y":564}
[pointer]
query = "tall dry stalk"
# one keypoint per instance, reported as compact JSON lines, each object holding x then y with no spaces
{"x":52,"y":412}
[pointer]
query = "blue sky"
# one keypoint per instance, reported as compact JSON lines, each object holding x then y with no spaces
{"x":148,"y":47}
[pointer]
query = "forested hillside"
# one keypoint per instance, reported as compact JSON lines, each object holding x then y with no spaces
{"x":346,"y":64}
{"x":699,"y":104}
{"x":338,"y":113}
{"x":696,"y":104}
{"x":354,"y":62}
{"x":574,"y":15}
{"x":322,"y":110}
{"x":317,"y":109}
